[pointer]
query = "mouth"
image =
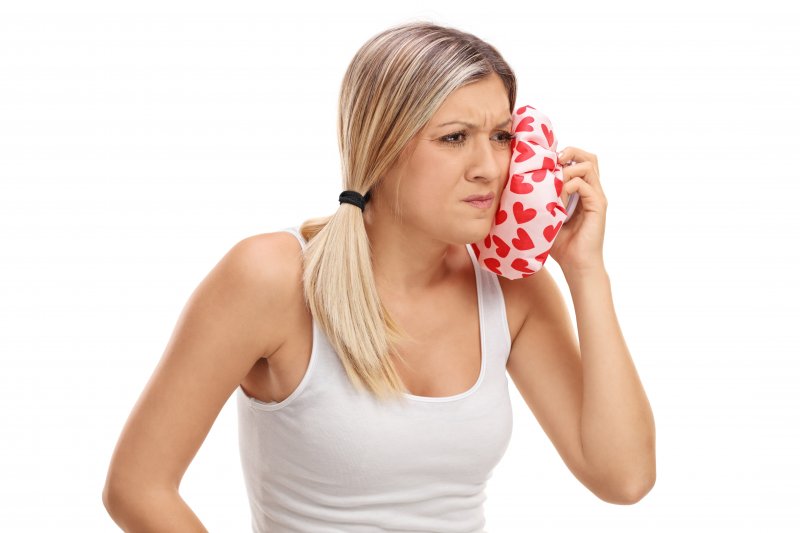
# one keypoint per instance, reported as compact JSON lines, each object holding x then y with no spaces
{"x":481,"y":201}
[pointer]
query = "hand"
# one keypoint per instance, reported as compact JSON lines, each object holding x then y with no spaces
{"x":579,"y":243}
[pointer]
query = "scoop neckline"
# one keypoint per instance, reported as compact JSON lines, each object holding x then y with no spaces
{"x":407,"y":395}
{"x":481,"y":327}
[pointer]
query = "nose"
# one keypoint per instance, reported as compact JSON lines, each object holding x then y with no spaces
{"x":490,"y":161}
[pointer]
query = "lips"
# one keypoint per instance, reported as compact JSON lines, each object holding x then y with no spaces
{"x":479,"y":197}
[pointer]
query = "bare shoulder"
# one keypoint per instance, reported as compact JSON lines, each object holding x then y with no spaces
{"x":270,"y":265}
{"x":234,"y":317}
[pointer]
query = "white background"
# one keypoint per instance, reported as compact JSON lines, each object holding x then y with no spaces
{"x":140,"y":141}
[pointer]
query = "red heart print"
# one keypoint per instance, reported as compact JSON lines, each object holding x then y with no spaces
{"x":539,"y":174}
{"x":518,"y":186}
{"x":487,"y":241}
{"x":521,"y":265}
{"x":524,"y":125}
{"x":525,"y":152}
{"x":542,"y":257}
{"x":548,"y":134}
{"x":500,"y":217}
{"x":552,"y":206}
{"x":522,"y":241}
{"x":493,"y":265}
{"x":502,"y":248}
{"x":522,"y":215}
{"x":559,"y":185}
{"x":476,"y":250}
{"x":550,"y":231}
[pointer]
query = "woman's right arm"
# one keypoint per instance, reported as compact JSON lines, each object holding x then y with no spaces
{"x":234,"y":317}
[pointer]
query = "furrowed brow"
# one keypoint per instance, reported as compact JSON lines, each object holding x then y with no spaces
{"x":473,"y":126}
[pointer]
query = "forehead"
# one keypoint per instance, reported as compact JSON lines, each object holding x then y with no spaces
{"x":483,"y":103}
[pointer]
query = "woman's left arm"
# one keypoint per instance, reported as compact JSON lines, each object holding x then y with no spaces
{"x":617,"y":424}
{"x":617,"y":427}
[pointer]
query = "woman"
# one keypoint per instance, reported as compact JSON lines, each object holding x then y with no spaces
{"x":368,"y":351}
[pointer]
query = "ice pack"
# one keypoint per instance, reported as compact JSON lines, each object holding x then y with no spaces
{"x":530,"y":212}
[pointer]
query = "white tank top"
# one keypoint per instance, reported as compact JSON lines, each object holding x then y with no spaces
{"x":331,"y":458}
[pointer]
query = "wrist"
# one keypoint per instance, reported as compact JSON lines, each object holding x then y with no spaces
{"x":593,"y":273}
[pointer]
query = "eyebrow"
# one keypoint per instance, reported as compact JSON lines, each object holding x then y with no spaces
{"x":473,"y":126}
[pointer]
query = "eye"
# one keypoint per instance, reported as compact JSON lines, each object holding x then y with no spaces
{"x":504,"y":137}
{"x":449,"y":139}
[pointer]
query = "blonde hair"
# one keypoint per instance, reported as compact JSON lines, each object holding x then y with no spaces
{"x":394,"y":84}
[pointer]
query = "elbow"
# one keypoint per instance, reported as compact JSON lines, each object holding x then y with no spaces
{"x":631,"y":492}
{"x":113,"y":498}
{"x":122,"y":497}
{"x":635,"y":492}
{"x":128,"y":497}
{"x":110,"y":502}
{"x":624,"y":489}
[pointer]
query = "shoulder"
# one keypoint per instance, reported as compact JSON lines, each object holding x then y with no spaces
{"x":266,"y":271}
{"x":267,"y":256}
{"x":270,"y":262}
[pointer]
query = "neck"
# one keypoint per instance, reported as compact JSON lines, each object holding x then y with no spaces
{"x":406,"y":260}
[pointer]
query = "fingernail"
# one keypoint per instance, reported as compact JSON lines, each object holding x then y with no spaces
{"x":561,"y":154}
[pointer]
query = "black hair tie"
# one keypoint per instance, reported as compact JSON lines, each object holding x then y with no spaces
{"x":355,"y":198}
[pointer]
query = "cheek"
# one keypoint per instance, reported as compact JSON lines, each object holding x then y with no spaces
{"x":428,"y":196}
{"x":429,"y":201}
{"x":431,"y":180}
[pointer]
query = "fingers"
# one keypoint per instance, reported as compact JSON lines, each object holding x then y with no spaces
{"x":577,"y":163}
{"x":591,"y":198}
{"x":571,"y":153}
{"x":583,"y":170}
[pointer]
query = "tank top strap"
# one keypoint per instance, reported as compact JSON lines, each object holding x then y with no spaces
{"x":494,"y":309}
{"x":295,"y":230}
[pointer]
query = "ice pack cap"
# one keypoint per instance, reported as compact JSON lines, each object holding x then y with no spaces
{"x":530,"y":212}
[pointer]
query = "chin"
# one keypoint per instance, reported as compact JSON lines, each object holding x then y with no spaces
{"x":476,"y":229}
